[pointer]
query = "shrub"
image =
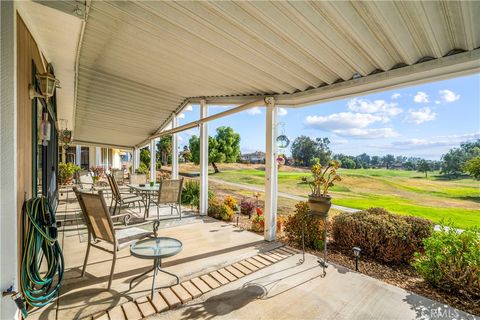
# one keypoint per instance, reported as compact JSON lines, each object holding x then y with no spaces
{"x":314,"y":227}
{"x":230,"y":202}
{"x":142,"y":168}
{"x":246,"y":206}
{"x":191,"y":193}
{"x":66,"y":171}
{"x":258,"y":223}
{"x":451,"y":261}
{"x":380,"y":234}
{"x":218,"y":210}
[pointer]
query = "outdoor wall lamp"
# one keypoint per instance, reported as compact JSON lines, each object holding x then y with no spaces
{"x":356,"y":253}
{"x":47,"y":83}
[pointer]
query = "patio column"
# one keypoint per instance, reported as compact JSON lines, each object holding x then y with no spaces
{"x":78,"y":155}
{"x":98,"y":155}
{"x":64,"y":154}
{"x":203,"y":159}
{"x":271,"y":170}
{"x":153,"y":164}
{"x":136,"y":159}
{"x":174,"y":149}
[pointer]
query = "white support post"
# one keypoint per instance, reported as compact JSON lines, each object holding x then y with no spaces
{"x":271,"y":170}
{"x":98,"y":155}
{"x":136,"y":159}
{"x":64,"y":154}
{"x":78,"y":155}
{"x":153,"y":162}
{"x":203,"y":159}
{"x":174,"y":149}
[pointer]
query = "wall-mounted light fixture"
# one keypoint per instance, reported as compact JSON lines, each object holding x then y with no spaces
{"x":47,"y":84}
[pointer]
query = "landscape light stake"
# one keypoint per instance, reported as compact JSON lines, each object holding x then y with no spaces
{"x":356,"y":252}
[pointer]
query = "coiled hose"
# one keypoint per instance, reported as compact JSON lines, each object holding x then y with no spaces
{"x":40,"y":282}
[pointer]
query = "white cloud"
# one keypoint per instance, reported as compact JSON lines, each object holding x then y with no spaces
{"x":420,"y":115}
{"x":342,"y":120}
{"x":181,"y":116}
{"x":437,"y":141}
{"x":254,"y":111}
{"x":448,"y":95}
{"x":437,"y":102}
{"x":188,"y":108}
{"x":339,"y":142}
{"x":282,"y":112}
{"x":348,"y":124}
{"x":378,"y":107}
{"x":421,"y":97}
{"x":367,"y":133}
{"x":396,"y":95}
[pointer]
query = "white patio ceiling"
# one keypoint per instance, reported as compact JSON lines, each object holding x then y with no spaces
{"x":141,"y":61}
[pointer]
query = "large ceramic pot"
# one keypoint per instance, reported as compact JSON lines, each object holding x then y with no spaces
{"x":319,"y":205}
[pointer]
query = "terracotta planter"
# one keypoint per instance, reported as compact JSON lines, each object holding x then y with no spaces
{"x":319,"y":205}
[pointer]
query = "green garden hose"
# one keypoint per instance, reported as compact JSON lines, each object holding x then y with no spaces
{"x":40,"y":280}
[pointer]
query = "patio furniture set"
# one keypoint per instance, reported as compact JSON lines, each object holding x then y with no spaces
{"x":99,"y":217}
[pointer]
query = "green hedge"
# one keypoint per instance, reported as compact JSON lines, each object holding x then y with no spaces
{"x":381,"y":235}
{"x":451,"y":261}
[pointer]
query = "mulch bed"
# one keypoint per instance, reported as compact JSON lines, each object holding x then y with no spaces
{"x":403,"y":276}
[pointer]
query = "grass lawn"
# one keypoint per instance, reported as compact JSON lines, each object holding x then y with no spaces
{"x":402,"y":192}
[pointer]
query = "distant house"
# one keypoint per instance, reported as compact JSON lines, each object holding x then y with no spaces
{"x":254,"y":157}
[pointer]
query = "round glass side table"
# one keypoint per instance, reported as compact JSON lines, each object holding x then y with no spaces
{"x":155,"y":249}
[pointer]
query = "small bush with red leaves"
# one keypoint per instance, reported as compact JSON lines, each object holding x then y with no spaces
{"x":381,"y":235}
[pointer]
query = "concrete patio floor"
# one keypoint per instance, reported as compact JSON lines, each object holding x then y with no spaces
{"x":289,"y":290}
{"x":284,"y":290}
{"x":207,"y":245}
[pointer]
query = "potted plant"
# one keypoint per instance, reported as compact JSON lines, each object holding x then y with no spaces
{"x":319,"y":201}
{"x":66,"y":172}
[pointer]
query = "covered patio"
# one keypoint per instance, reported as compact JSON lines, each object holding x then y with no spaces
{"x":128,"y":69}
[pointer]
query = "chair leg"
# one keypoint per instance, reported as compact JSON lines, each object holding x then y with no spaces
{"x":113,"y":266}
{"x":86,"y":256}
{"x":180,"y":210}
{"x":158,"y":212}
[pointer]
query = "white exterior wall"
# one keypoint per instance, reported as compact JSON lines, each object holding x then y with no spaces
{"x":8,"y":159}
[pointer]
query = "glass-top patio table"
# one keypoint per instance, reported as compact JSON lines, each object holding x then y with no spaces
{"x":155,"y":249}
{"x":146,"y":190}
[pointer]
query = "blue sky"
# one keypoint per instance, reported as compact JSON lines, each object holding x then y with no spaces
{"x":424,"y":120}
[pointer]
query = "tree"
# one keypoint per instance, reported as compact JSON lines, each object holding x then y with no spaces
{"x":164,"y":150}
{"x":454,"y":160}
{"x":145,"y":157}
{"x":388,"y":160}
{"x":375,"y":161}
{"x":410,"y":165}
{"x":364,"y":159}
{"x":472,"y":167}
{"x":224,"y":147}
{"x":424,"y":166}
{"x":303,"y":150}
{"x":322,"y":151}
{"x":347,"y":163}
